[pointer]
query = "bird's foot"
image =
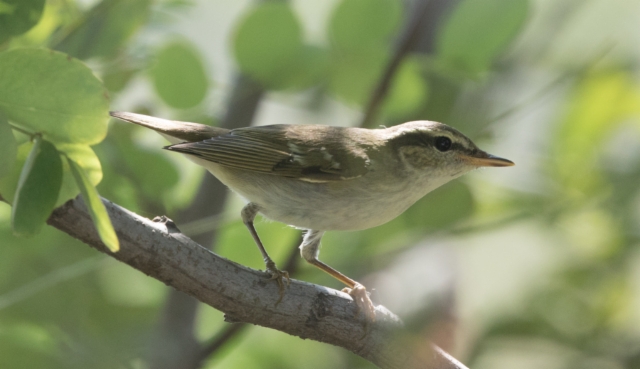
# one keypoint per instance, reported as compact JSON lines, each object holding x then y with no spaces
{"x":362,"y":300}
{"x":280,"y":276}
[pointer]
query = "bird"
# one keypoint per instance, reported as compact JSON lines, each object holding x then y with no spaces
{"x":322,"y":178}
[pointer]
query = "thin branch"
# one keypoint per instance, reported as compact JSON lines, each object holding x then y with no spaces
{"x":225,"y":335}
{"x":405,"y":43}
{"x":159,"y":250}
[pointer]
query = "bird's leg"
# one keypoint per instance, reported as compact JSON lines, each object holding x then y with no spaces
{"x":310,"y":249}
{"x":248,"y":214}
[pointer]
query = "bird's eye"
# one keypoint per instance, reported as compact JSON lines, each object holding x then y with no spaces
{"x":443,"y":143}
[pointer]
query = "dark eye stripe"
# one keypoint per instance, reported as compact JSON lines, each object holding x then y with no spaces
{"x":416,"y":138}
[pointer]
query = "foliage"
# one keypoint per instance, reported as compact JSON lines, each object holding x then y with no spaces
{"x":546,"y":252}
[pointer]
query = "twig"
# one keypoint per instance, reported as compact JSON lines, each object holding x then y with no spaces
{"x":225,"y":335}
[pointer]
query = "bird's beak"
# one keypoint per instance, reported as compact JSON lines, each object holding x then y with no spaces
{"x":482,"y":159}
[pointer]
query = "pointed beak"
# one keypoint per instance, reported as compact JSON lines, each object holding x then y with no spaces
{"x":482,"y":159}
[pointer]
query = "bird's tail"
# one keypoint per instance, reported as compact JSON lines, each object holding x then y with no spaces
{"x":174,"y":131}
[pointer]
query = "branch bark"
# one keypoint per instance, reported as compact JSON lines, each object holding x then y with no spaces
{"x":309,"y":311}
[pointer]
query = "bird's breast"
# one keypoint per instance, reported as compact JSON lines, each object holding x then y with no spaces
{"x":353,"y":204}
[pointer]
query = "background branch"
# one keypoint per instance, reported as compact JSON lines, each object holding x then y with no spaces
{"x":405,"y":43}
{"x":159,"y":250}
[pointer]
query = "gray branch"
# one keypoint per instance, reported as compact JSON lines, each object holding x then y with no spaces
{"x":309,"y":311}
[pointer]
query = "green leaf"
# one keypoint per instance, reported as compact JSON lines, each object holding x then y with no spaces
{"x":38,"y":188}
{"x":478,"y":31}
{"x":179,"y":76}
{"x":155,"y":179}
{"x":8,"y":147}
{"x":82,"y":154}
{"x":85,"y":157}
{"x":363,"y":23}
{"x":18,"y":16}
{"x":48,"y":92}
{"x":9,"y":183}
{"x":353,"y":75}
{"x":268,"y":42}
{"x":95,"y":207}
{"x":310,"y":66}
{"x":105,"y":28}
{"x":598,"y":105}
{"x":408,"y":91}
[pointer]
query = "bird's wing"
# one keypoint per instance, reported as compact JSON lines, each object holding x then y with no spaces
{"x":310,"y":153}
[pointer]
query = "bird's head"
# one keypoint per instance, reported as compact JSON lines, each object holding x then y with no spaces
{"x":439,"y":149}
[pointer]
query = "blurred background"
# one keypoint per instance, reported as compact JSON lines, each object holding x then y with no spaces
{"x":534,"y":266}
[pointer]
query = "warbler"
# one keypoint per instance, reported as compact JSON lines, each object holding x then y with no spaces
{"x":322,"y":178}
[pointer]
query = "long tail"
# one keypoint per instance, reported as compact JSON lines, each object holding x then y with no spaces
{"x":182,"y":131}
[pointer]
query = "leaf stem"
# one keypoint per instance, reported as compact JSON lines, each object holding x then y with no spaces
{"x":22,"y":130}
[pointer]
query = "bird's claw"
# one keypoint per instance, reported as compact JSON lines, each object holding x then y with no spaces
{"x":280,"y":276}
{"x":362,"y":300}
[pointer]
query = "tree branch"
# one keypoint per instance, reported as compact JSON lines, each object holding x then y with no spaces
{"x":159,"y":250}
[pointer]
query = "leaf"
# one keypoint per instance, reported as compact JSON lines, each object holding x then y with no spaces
{"x":95,"y":207}
{"x":50,"y":93}
{"x":478,"y":31}
{"x":9,"y":183}
{"x":18,"y":16}
{"x":307,"y":69}
{"x":408,"y":91}
{"x":363,"y":23}
{"x":38,"y":188}
{"x":105,"y":28}
{"x":155,"y":179}
{"x":598,"y":105}
{"x":179,"y":76}
{"x":84,"y":156}
{"x":268,"y":42}
{"x":8,"y":147}
{"x":353,"y":75}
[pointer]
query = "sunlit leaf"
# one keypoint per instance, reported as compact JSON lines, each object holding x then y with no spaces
{"x":361,"y":23}
{"x":18,"y":16}
{"x":84,"y":156}
{"x":600,"y":103}
{"x":37,"y":189}
{"x":105,"y":28}
{"x":179,"y":76}
{"x":95,"y":207}
{"x":478,"y":31}
{"x":268,"y":41}
{"x":8,"y":147}
{"x":50,"y":93}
